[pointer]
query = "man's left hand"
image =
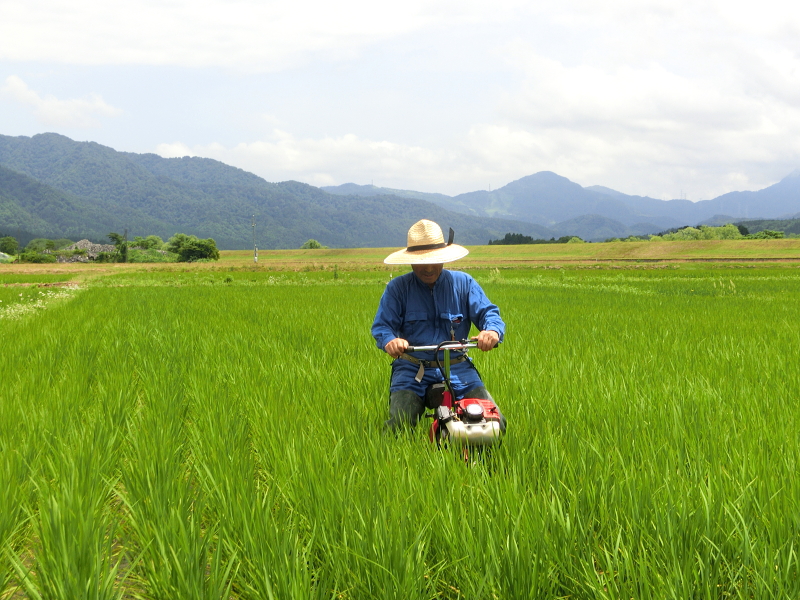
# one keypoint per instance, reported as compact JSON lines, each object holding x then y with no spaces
{"x":488,"y":339}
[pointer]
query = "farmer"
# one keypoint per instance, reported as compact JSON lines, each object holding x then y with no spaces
{"x":425,"y":307}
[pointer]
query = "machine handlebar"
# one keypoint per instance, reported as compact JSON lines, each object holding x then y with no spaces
{"x":462,"y":345}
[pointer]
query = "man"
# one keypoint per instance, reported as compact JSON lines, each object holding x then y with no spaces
{"x":425,"y":307}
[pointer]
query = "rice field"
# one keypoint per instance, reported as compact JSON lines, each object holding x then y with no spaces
{"x":218,"y":434}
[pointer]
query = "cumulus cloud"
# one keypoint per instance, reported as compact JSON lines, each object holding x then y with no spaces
{"x":645,"y":96}
{"x":50,"y":111}
{"x":329,"y":160}
{"x":486,"y":156}
{"x":634,"y":126}
{"x":491,"y":155}
{"x":651,"y":97}
{"x":246,"y":34}
{"x":175,"y":150}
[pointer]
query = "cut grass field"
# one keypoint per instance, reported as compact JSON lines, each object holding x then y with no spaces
{"x":480,"y":257}
{"x":214,"y":431}
{"x":543,"y":254}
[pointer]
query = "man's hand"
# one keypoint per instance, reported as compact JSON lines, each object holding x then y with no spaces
{"x":396,"y":347}
{"x":487,"y":339}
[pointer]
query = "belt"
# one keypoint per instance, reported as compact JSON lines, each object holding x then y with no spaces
{"x":431,"y":364}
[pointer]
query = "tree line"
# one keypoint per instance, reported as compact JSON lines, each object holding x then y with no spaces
{"x":685,"y":233}
{"x":179,"y":248}
{"x":704,"y":232}
{"x":511,"y":239}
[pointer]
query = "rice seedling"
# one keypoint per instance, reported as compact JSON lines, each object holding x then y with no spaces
{"x":7,"y":277}
{"x":172,"y":434}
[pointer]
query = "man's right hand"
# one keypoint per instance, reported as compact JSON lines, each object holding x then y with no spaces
{"x":396,"y":347}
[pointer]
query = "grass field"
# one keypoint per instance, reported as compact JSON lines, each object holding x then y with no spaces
{"x":214,"y":431}
{"x":480,"y":257}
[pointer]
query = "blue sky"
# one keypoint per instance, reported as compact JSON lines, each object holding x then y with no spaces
{"x":646,"y":97}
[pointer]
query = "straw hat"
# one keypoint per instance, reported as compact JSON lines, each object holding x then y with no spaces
{"x":426,"y":246}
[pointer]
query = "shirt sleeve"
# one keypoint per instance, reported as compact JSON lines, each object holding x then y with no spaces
{"x":388,"y":319}
{"x":483,"y":313}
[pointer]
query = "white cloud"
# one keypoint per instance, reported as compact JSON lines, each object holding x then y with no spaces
{"x":174,"y":150}
{"x":245,"y":34}
{"x":695,"y":108}
{"x":645,"y":96}
{"x":329,"y":160}
{"x":487,"y":156}
{"x":492,"y":155}
{"x":50,"y":111}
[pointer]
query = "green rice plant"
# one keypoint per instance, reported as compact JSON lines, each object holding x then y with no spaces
{"x":16,"y":454}
{"x":665,"y":391}
{"x":65,"y":429}
{"x":7,"y":276}
{"x":651,"y":451}
{"x":73,"y":522}
{"x":75,"y":555}
{"x":258,"y":522}
{"x":171,"y":546}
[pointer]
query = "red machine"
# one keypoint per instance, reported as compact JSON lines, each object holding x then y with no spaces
{"x":469,"y":422}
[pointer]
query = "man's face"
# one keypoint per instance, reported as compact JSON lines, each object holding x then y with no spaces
{"x":428,"y":273}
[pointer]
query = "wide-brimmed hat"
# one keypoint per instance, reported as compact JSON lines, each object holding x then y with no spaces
{"x":426,"y":246}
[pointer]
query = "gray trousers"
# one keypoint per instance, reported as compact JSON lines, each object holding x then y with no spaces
{"x":406,"y":408}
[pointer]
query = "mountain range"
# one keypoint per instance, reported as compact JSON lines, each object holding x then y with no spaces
{"x":596,"y":212}
{"x":52,"y":186}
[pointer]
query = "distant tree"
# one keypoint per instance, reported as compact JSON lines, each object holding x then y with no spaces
{"x":106,"y":257}
{"x":62,"y":243}
{"x":36,"y":257}
{"x":312,"y":245}
{"x":726,"y":232}
{"x":148,"y":243}
{"x":9,"y":245}
{"x":177,"y":241}
{"x":743,"y":230}
{"x":513,"y":239}
{"x":199,"y":249}
{"x":704,"y":232}
{"x":122,"y":248}
{"x":189,"y":248}
{"x":37,"y":245}
{"x":766,"y":234}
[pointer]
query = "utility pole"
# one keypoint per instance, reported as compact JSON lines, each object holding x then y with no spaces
{"x":255,"y":249}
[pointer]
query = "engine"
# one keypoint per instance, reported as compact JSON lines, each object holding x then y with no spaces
{"x":470,"y":422}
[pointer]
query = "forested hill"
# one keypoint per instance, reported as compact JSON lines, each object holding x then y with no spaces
{"x":593,"y":212}
{"x":29,"y":205}
{"x":56,"y":186}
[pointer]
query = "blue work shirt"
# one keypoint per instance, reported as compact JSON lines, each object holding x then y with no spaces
{"x":411,"y":310}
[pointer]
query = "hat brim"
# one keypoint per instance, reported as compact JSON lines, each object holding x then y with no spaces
{"x":427,"y":257}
